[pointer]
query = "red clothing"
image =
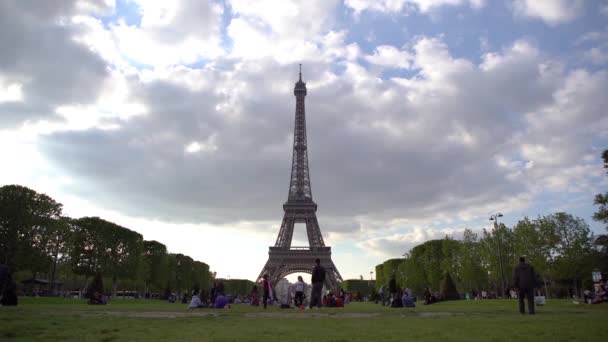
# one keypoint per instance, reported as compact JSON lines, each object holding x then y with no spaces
{"x":339,"y":302}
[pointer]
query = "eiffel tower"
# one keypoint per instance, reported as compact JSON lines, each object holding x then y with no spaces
{"x":283,"y":258}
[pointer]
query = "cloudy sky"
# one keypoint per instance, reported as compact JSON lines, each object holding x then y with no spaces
{"x":175,"y":118}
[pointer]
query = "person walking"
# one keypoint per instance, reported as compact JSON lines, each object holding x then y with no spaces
{"x":267,"y":291}
{"x":525,"y":281}
{"x":299,"y":288}
{"x":318,"y":278}
{"x":392,"y":288}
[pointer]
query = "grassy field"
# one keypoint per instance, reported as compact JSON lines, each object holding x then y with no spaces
{"x":50,"y":319}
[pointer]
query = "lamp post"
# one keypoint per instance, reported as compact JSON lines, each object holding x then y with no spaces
{"x":502,"y":274}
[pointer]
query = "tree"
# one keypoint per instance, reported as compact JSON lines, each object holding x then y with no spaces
{"x":95,"y":286}
{"x":59,"y":244}
{"x":103,"y":246}
{"x":448,"y":289}
{"x":123,"y":248}
{"x":571,"y":247}
{"x":26,"y":220}
{"x":155,"y":264}
{"x":380,"y":281}
{"x":200,"y":276}
{"x":497,"y":255}
{"x":601,"y":242}
{"x":602,"y":200}
{"x":473,"y":276}
{"x":425,"y":265}
{"x":88,"y":252}
{"x":183,"y":273}
{"x":534,"y":240}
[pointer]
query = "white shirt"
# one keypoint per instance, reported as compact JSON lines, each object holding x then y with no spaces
{"x":300,"y":286}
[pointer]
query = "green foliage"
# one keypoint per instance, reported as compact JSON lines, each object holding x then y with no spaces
{"x":35,"y":238}
{"x":559,"y":246}
{"x":472,"y":274}
{"x":154,"y":265}
{"x":240,"y":287}
{"x":572,"y":246}
{"x":602,"y":200}
{"x":392,"y":266}
{"x":448,"y":289}
{"x":380,"y":279}
{"x":183,"y":273}
{"x":497,"y":255}
{"x":201,"y":279}
{"x":426,"y":264}
{"x":104,"y":246}
{"x":27,"y":220}
{"x":366,"y":287}
{"x":95,"y":286}
{"x":602,"y":216}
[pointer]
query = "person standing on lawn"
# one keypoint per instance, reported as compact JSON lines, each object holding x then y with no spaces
{"x":318,"y":278}
{"x":525,"y":281}
{"x":267,"y":291}
{"x":299,"y":288}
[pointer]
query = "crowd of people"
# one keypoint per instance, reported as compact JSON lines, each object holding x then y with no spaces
{"x":525,"y":287}
{"x":294,"y":296}
{"x":599,"y":295}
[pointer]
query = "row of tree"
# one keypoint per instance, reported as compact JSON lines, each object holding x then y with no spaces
{"x":36,"y":238}
{"x":561,"y":248}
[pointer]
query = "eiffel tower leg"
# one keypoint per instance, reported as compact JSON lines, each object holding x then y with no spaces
{"x":315,"y":239}
{"x":286,"y":232}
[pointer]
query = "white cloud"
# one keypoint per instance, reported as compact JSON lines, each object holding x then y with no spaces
{"x":206,"y":146}
{"x":287,"y":31}
{"x":174,"y":32}
{"x":447,"y":142}
{"x":396,"y":245}
{"x":289,"y":18}
{"x":423,"y":6}
{"x":11,"y":92}
{"x":552,"y":12}
{"x":389,"y":56}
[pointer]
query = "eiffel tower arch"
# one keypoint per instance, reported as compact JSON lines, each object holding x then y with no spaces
{"x":283,"y":258}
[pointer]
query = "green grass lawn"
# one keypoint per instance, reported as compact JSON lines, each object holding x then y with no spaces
{"x":50,"y":319}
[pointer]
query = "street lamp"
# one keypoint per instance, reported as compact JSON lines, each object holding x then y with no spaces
{"x":502,"y":274}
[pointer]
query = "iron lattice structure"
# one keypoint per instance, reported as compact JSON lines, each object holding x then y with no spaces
{"x":284,"y":259}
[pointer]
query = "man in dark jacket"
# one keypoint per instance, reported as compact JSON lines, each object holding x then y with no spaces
{"x":525,"y":280}
{"x":392,"y":287}
{"x":318,"y":278}
{"x":8,"y":287}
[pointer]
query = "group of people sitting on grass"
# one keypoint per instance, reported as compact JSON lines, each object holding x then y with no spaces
{"x":216,"y":300}
{"x":397,"y":298}
{"x":98,"y":298}
{"x":335,"y":299}
{"x":220,"y":302}
{"x":599,"y":295}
